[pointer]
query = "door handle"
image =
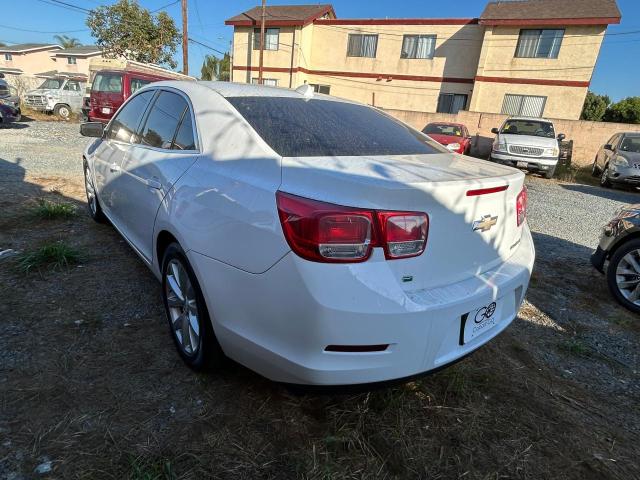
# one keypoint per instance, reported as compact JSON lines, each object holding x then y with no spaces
{"x":114,"y":168}
{"x":153,"y":183}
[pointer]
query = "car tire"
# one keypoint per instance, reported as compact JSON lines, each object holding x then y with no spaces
{"x":62,"y":111}
{"x":549,"y":173}
{"x":93,"y":204}
{"x":631,"y":247}
{"x":187,"y":314}
{"x":595,"y":170}
{"x":604,"y":178}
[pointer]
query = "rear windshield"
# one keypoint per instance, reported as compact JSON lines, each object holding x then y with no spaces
{"x":442,"y":129}
{"x":107,"y":82}
{"x":296,"y":127}
{"x":534,"y":128}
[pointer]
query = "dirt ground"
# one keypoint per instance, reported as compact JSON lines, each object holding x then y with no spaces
{"x":91,"y":386}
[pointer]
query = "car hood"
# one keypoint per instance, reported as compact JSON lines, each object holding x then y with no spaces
{"x":444,"y":139}
{"x":529,"y":140}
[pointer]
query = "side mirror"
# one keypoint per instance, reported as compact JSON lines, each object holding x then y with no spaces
{"x":92,"y":129}
{"x":561,"y":137}
{"x":495,"y":130}
{"x":608,"y":146}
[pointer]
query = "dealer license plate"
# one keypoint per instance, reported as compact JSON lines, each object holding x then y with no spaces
{"x":478,"y":322}
{"x":521,"y":164}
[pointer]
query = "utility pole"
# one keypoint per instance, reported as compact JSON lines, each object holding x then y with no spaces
{"x":185,"y":39}
{"x":262,"y":17}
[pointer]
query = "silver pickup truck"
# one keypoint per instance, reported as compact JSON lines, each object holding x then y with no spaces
{"x":59,"y":95}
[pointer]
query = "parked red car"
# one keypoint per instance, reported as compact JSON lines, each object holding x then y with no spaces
{"x":110,"y":89}
{"x":454,"y":136}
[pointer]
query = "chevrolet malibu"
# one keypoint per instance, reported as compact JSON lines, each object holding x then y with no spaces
{"x":312,"y":239}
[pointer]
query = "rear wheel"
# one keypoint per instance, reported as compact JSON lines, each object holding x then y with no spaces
{"x":623,"y":275}
{"x":187,"y":313}
{"x":604,"y":178}
{"x":92,"y":198}
{"x":62,"y":111}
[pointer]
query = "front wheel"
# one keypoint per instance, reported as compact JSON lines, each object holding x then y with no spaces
{"x":623,"y":275}
{"x":595,"y":170}
{"x":187,"y":312}
{"x":604,"y":178}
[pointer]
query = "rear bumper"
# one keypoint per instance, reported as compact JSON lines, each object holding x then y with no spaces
{"x":532,"y":163}
{"x":279,"y":323}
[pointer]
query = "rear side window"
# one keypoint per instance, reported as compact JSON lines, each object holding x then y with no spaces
{"x":124,"y":124}
{"x":107,"y":82}
{"x":138,"y":83}
{"x":163,"y":120}
{"x":295,"y":127}
{"x":184,"y":138}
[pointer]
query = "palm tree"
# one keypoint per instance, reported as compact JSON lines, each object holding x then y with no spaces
{"x":67,"y":42}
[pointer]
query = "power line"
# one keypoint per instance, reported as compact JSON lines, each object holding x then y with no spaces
{"x":165,"y":6}
{"x":65,"y":5}
{"x":43,"y":31}
{"x":206,"y":46}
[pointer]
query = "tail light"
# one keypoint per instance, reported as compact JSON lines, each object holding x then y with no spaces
{"x":521,"y":206}
{"x":324,"y":232}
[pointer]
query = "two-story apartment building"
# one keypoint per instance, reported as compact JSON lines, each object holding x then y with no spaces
{"x":526,"y":57}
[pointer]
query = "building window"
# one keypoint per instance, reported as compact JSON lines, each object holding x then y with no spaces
{"x":71,"y":60}
{"x":270,"y":82}
{"x":418,"y":46}
{"x":271,"y":38}
{"x":539,"y":43}
{"x":451,"y":102}
{"x":321,"y":88}
{"x":525,"y":105}
{"x":8,"y":57}
{"x":362,"y":45}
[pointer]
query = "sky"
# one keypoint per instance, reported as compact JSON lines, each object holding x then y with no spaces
{"x":37,"y":21}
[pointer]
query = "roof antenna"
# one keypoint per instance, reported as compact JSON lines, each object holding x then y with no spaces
{"x":305,"y":90}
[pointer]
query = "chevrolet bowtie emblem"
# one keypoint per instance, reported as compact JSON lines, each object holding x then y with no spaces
{"x":485,"y":223}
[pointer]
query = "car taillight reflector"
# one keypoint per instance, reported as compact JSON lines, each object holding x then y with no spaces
{"x":521,"y":206}
{"x":324,"y":232}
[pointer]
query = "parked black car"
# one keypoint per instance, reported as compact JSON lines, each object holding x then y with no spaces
{"x":618,"y":161}
{"x":620,"y":247}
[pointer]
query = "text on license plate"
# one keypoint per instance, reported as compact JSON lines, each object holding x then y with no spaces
{"x":479,"y":321}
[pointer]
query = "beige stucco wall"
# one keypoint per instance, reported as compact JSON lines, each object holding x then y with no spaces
{"x":81,"y":65}
{"x":30,"y":62}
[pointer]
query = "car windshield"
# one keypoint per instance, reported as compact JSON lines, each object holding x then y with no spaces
{"x":535,"y":128}
{"x":107,"y":82}
{"x":630,"y":144}
{"x":443,"y":129}
{"x":296,"y":127}
{"x":52,"y":84}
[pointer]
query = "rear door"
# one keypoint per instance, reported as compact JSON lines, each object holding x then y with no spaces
{"x":110,"y":154}
{"x":107,"y":95}
{"x":166,"y":147}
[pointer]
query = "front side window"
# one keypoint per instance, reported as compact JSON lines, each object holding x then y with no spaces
{"x":295,"y":127}
{"x":8,"y":57}
{"x":271,"y":82}
{"x":537,"y":43}
{"x":271,"y":38}
{"x":163,"y":120}
{"x":71,"y":60}
{"x":535,"y":128}
{"x":138,"y":83}
{"x":451,"y":102}
{"x":72,"y":86}
{"x":107,"y":82}
{"x":524,"y":105}
{"x":125,"y":124}
{"x":362,"y":45}
{"x":418,"y":46}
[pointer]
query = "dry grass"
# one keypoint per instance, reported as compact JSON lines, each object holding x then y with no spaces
{"x":28,"y":113}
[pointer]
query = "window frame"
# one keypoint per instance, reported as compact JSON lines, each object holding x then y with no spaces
{"x":540,"y":30}
{"x":256,"y":39}
{"x":317,"y":86}
{"x":254,"y":81}
{"x":375,"y":50}
{"x":453,"y":94}
{"x":70,"y":62}
{"x":419,"y":36}
{"x":145,"y":116}
{"x":523,"y":96}
{"x":8,"y":57}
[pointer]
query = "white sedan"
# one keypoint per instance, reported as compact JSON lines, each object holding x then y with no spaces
{"x":312,"y":239}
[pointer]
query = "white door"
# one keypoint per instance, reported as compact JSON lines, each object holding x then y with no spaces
{"x":165,"y":149}
{"x":115,"y":147}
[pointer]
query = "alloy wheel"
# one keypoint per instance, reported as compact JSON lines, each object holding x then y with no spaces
{"x":628,"y":276}
{"x":183,"y":308}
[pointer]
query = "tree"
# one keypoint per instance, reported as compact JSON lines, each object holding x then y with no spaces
{"x":625,"y":111}
{"x":214,"y":68}
{"x":125,"y":29}
{"x":67,"y":42}
{"x":595,"y":107}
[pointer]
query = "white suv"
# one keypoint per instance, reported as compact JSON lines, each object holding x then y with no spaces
{"x":528,"y":143}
